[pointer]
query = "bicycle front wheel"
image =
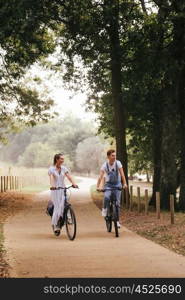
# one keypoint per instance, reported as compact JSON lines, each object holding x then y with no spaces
{"x":108,"y":221}
{"x":70,"y":223}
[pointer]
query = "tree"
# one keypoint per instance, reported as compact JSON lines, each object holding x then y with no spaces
{"x":23,"y":40}
{"x":90,"y":154}
{"x":36,"y":155}
{"x":51,"y":137}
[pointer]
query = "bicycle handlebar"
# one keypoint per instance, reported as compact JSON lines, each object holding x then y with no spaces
{"x":63,"y":188}
{"x":111,"y":189}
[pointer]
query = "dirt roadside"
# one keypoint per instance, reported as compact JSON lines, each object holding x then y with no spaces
{"x":11,"y":203}
{"x":33,"y":250}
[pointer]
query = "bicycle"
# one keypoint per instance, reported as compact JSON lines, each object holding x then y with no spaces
{"x":68,"y":218}
{"x":112,"y":211}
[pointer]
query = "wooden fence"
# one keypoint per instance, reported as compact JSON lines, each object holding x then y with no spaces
{"x":128,"y":200}
{"x":10,"y":183}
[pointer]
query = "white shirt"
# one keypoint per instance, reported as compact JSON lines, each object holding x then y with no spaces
{"x":58,"y":178}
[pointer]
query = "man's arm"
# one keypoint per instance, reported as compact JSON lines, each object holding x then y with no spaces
{"x":123,"y":178}
{"x":100,"y":179}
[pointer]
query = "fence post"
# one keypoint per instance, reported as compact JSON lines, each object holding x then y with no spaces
{"x":158,"y":205}
{"x":127,"y":197}
{"x":13,"y":180}
{"x":172,"y":208}
{"x":7,"y":182}
{"x":138,"y":200}
{"x":131,"y":197}
{"x":4,"y":183}
{"x":146,"y":202}
{"x":1,"y":184}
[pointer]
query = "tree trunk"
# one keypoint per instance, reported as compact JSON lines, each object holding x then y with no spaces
{"x":143,"y":6}
{"x":112,"y":17}
{"x":168,"y":147}
{"x":157,"y":140}
{"x":179,"y":57}
{"x":182,"y":139}
{"x":147,"y":176}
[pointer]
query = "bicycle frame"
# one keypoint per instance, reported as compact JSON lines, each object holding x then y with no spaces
{"x":112,"y":213}
{"x":65,"y":192}
{"x":65,"y":219}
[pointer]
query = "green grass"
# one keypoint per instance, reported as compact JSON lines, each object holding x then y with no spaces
{"x":35,"y":188}
{"x":96,"y":195}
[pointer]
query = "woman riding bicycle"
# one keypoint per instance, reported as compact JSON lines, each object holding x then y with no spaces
{"x":57,"y":174}
{"x":112,"y":171}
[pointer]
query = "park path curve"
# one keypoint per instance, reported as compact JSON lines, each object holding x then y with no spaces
{"x":33,"y":250}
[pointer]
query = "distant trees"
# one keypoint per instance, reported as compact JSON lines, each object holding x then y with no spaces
{"x":35,"y":147}
{"x":90,"y":154}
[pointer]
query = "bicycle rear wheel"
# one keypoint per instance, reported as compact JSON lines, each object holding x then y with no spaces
{"x":70,"y":221}
{"x":115,"y":219}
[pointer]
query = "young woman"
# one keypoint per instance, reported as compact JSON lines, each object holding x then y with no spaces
{"x":57,"y":174}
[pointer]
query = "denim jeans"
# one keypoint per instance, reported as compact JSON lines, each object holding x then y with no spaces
{"x":115,"y":193}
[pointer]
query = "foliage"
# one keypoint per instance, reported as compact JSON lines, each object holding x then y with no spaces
{"x":90,"y":154}
{"x":23,"y":41}
{"x":35,"y":147}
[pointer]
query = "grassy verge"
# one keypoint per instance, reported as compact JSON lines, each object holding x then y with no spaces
{"x":34,"y":188}
{"x":160,"y":230}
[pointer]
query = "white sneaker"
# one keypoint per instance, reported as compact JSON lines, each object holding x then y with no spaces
{"x":104,"y":212}
{"x":69,"y":214}
{"x":118,"y":224}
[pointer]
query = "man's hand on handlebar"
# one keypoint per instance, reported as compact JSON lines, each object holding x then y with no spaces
{"x":125,"y":186}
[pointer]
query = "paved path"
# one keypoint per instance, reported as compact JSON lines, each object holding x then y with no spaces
{"x":33,"y":250}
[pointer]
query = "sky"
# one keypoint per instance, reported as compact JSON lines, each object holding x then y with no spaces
{"x":66,"y":101}
{"x":75,"y":105}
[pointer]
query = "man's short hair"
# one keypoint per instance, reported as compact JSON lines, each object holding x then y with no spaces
{"x":110,"y":151}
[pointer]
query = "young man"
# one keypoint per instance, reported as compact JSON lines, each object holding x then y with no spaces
{"x":113,"y":172}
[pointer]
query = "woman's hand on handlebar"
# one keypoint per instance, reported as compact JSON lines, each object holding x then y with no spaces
{"x":75,"y":186}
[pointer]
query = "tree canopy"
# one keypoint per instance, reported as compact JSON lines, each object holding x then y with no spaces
{"x":132,"y":60}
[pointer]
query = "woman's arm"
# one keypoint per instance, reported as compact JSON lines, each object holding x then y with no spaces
{"x":52,"y":181}
{"x":71,"y":180}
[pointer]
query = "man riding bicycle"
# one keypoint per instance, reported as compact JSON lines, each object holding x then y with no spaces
{"x":113,"y":173}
